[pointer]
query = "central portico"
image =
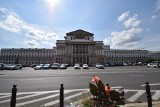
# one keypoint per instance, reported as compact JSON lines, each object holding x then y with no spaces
{"x":79,"y":47}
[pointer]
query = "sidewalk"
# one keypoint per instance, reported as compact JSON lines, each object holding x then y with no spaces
{"x":154,"y":104}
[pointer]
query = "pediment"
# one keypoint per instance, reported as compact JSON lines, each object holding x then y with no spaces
{"x":79,"y":32}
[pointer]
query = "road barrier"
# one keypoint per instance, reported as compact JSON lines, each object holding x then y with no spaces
{"x":13,"y":96}
{"x":149,"y":98}
{"x":61,"y":96}
{"x":61,"y":99}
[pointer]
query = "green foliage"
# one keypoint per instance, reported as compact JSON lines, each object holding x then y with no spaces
{"x":115,"y":96}
{"x":101,"y":87}
{"x":93,"y":89}
{"x":158,"y":60}
{"x":149,"y":60}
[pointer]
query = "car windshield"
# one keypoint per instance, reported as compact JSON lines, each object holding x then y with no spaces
{"x":77,"y":65}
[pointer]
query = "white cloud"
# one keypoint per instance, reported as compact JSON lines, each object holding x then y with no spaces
{"x":132,"y":22}
{"x":35,"y":34}
{"x":157,"y":8}
{"x":123,"y":16}
{"x":10,"y":21}
{"x":124,"y":38}
{"x":31,"y":43}
{"x":153,"y":17}
{"x":3,"y":10}
{"x":51,"y":36}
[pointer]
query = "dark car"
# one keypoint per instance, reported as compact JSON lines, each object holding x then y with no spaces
{"x":46,"y":66}
{"x":55,"y":66}
{"x":1,"y":66}
{"x":34,"y":65}
{"x":63,"y":66}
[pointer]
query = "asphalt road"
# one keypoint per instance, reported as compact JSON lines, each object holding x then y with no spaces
{"x":37,"y":86}
{"x":28,"y":79}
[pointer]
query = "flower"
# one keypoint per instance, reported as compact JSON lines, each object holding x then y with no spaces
{"x":95,"y":79}
{"x":107,"y":88}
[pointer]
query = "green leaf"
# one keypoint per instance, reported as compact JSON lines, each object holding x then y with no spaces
{"x":93,"y":89}
{"x":101,"y":87}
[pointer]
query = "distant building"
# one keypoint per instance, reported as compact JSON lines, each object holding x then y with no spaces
{"x":27,"y":56}
{"x":120,"y":56}
{"x":77,"y":47}
{"x":154,"y":54}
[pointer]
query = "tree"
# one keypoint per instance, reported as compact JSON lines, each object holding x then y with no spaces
{"x":149,"y":60}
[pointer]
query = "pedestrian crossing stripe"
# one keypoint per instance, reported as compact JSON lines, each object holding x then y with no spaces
{"x":78,"y":92}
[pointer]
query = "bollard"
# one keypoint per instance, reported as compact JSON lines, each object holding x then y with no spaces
{"x":149,"y":98}
{"x":13,"y":97}
{"x":61,"y":96}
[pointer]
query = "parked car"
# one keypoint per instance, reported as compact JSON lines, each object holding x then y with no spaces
{"x":38,"y":67}
{"x":55,"y":66}
{"x":46,"y":66}
{"x":85,"y":66}
{"x":33,"y":65}
{"x":63,"y":66}
{"x":152,"y":65}
{"x":1,"y":66}
{"x":19,"y":66}
{"x":100,"y":66}
{"x":6,"y":66}
{"x":77,"y":66}
{"x":11,"y":67}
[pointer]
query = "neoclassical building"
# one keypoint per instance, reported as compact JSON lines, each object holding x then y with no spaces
{"x":77,"y":47}
{"x":27,"y":56}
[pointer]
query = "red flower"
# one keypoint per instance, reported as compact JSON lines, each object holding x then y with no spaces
{"x":95,"y":78}
{"x":107,"y":88}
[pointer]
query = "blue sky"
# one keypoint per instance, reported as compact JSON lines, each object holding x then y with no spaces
{"x":122,"y":24}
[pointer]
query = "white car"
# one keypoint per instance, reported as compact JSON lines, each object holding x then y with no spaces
{"x":85,"y":66}
{"x":77,"y":66}
{"x":19,"y":66}
{"x":38,"y":67}
{"x":152,"y":65}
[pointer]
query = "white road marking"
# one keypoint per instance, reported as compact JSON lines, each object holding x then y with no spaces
{"x":136,"y":75}
{"x":133,"y":98}
{"x":5,"y":96}
{"x":156,"y":95}
{"x":40,"y":99}
{"x":66,"y":98}
{"x":154,"y":84}
{"x":136,"y":96}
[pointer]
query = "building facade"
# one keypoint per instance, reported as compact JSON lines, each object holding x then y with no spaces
{"x":120,"y":56}
{"x":154,"y":55}
{"x":77,"y":47}
{"x":27,"y":56}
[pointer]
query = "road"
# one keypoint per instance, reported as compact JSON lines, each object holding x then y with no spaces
{"x":43,"y":83}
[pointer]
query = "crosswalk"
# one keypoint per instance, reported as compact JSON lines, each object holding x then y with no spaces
{"x":51,"y":98}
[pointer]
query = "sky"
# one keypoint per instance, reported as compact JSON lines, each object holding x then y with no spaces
{"x":122,"y":24}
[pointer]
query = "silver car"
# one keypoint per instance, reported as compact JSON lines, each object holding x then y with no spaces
{"x":77,"y":66}
{"x":38,"y":67}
